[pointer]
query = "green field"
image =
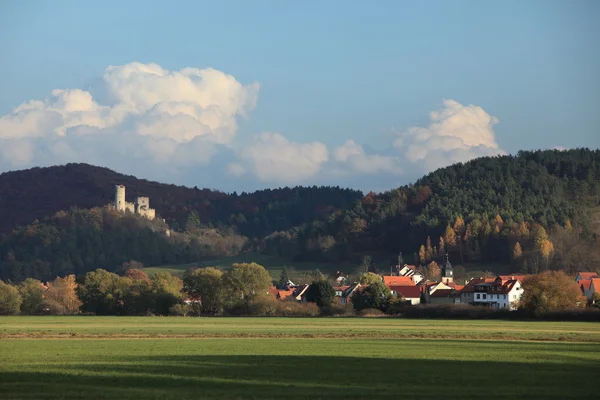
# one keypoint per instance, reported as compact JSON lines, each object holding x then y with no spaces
{"x":295,"y":358}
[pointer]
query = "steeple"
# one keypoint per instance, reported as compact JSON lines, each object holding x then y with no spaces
{"x":447,"y":272}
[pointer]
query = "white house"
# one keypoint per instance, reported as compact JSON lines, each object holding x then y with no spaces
{"x":501,"y":293}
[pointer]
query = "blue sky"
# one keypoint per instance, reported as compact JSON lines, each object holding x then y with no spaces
{"x":326,"y":92}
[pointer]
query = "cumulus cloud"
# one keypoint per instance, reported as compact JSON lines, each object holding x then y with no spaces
{"x":182,"y":127}
{"x":353,"y":156}
{"x":457,"y":133}
{"x":273,"y":158}
{"x":170,"y":117}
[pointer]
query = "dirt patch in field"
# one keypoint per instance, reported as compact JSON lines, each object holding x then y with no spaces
{"x":358,"y":335}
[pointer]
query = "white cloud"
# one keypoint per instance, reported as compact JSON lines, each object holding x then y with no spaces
{"x":275,"y":159}
{"x":181,"y":127}
{"x":352,"y":155}
{"x":457,"y":133}
{"x":150,"y":113}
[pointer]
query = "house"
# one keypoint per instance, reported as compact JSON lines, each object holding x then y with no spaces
{"x":345,"y":292}
{"x":584,"y":276}
{"x":410,"y":270}
{"x":501,"y":293}
{"x":467,"y":294}
{"x":339,"y":277}
{"x":444,"y":296}
{"x":412,"y":294}
{"x":398,"y":281}
{"x":300,"y":293}
{"x":586,"y":288}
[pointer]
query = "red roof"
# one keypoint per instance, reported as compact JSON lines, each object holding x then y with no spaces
{"x":595,"y":283}
{"x":283,"y":294}
{"x":398,"y":281}
{"x":588,"y":275}
{"x":273,"y":290}
{"x":408,"y":292}
{"x":586,"y":284}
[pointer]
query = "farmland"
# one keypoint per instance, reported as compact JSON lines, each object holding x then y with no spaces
{"x":152,"y":357}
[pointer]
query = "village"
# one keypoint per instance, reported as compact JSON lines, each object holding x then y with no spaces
{"x":500,"y":292}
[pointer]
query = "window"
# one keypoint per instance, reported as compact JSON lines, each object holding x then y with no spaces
{"x":504,"y":297}
{"x":484,"y":296}
{"x":477,"y":295}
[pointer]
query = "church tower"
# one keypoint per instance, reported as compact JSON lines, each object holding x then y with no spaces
{"x":447,"y":272}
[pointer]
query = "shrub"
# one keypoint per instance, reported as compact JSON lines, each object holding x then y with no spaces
{"x":264,"y":306}
{"x":181,"y":310}
{"x":370,"y":312}
{"x":337,"y":309}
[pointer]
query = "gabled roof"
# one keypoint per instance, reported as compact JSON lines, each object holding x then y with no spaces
{"x":398,"y":281}
{"x":408,"y":292}
{"x":283,"y":294}
{"x":442,"y":293}
{"x":585,"y":284}
{"x":273,"y":290}
{"x":588,"y":275}
{"x":469,"y":287}
{"x":596,"y":284}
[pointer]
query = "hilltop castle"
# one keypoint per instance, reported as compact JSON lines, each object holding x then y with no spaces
{"x":140,"y":207}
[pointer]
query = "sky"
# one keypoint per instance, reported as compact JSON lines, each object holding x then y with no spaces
{"x":245,"y":95}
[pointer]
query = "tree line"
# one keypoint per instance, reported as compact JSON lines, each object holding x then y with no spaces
{"x":534,"y":210}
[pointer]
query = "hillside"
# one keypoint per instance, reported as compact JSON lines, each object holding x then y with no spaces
{"x":478,"y":211}
{"x":36,"y":193}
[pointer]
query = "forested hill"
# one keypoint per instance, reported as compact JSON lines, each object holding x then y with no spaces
{"x":37,"y":193}
{"x":532,"y":210}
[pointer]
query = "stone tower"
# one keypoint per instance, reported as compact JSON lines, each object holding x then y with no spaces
{"x":120,"y":197}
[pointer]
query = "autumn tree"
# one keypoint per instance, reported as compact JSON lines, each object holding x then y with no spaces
{"x":450,"y":237}
{"x":32,"y":293}
{"x":205,"y":285}
{"x":550,"y":290}
{"x":517,"y":251}
{"x":422,"y":255}
{"x":10,"y":299}
{"x":432,"y":272}
{"x":546,"y":250}
{"x":61,"y":296}
{"x":441,"y":249}
{"x":430,"y":253}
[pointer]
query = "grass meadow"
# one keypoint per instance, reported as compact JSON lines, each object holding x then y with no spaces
{"x":295,"y":358}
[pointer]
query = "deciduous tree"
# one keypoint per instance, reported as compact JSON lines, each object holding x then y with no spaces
{"x":550,"y":290}
{"x":32,"y":293}
{"x":61,"y":296}
{"x":432,"y":272}
{"x":205,"y":285}
{"x":369,"y":278}
{"x":10,"y":299}
{"x":247,"y":281}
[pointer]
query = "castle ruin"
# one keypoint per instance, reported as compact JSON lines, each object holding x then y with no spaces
{"x":140,"y":207}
